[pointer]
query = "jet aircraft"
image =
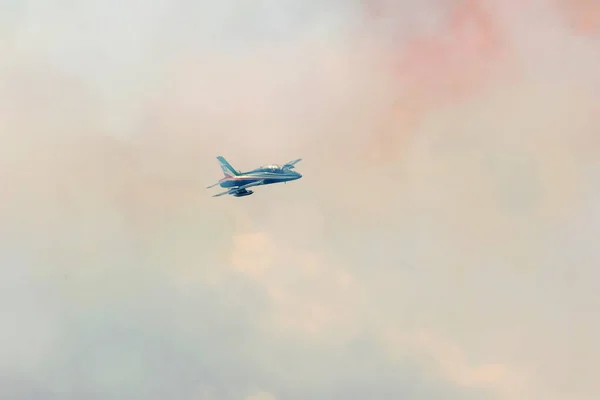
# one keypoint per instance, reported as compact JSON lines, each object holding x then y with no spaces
{"x":238,"y":182}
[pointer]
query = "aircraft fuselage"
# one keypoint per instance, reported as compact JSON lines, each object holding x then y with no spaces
{"x":234,"y":181}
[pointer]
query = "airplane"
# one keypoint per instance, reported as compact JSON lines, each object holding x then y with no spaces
{"x":239,"y":182}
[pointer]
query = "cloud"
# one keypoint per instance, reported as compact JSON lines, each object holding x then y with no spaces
{"x":438,"y":245}
{"x":262,"y":396}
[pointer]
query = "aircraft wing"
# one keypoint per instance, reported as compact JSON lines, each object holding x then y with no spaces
{"x":239,"y":188}
{"x":247,"y":185}
{"x":222,"y":193}
{"x":290,"y":164}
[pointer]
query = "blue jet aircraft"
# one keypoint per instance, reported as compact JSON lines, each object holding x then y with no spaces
{"x":239,"y":182}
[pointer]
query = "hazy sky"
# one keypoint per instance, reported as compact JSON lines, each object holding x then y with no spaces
{"x":441,"y":244}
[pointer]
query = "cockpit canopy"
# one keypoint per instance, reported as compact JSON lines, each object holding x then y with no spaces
{"x":270,"y":168}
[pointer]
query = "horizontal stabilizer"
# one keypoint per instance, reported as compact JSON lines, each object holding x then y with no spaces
{"x":222,"y":193}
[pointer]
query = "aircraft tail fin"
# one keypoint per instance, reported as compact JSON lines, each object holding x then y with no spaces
{"x":228,"y":170}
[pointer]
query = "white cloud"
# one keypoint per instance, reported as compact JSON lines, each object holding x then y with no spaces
{"x":261,"y":396}
{"x":440,"y":249}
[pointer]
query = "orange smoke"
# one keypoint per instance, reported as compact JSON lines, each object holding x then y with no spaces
{"x":583,"y":15}
{"x":456,"y":61}
{"x":436,"y":70}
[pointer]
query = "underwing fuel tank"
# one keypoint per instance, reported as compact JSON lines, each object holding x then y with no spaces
{"x":244,"y":193}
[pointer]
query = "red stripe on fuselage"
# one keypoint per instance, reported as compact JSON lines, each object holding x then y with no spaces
{"x":237,"y":178}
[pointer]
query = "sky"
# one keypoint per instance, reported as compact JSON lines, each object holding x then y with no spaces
{"x":440,"y":244}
